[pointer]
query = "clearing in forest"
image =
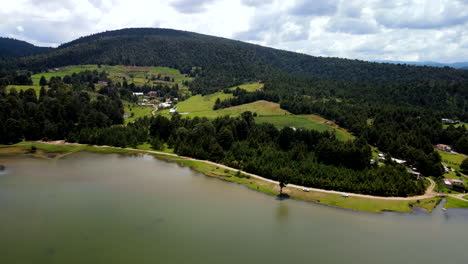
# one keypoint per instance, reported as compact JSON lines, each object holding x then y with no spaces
{"x":139,"y":75}
{"x":267,"y":112}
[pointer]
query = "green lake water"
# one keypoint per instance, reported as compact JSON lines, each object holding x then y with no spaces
{"x":109,"y":208}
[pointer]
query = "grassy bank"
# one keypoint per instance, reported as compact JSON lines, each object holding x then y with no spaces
{"x":355,"y":203}
{"x":455,"y":203}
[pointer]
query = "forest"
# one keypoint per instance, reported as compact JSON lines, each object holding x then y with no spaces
{"x":395,"y":108}
{"x":13,"y":48}
{"x":304,"y":157}
{"x":56,"y":112}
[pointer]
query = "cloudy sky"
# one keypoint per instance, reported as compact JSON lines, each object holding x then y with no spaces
{"x":411,"y":30}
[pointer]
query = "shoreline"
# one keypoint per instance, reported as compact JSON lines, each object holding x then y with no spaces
{"x":354,"y":201}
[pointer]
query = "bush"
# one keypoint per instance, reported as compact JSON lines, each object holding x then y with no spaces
{"x":464,"y":166}
{"x":33,"y":149}
{"x":157,"y":144}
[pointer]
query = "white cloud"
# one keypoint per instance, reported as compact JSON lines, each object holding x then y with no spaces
{"x":363,"y":29}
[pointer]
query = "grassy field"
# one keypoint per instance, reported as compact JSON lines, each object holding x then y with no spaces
{"x":69,"y":70}
{"x":457,"y":125}
{"x":267,"y":112}
{"x":307,"y":122}
{"x":455,"y":203}
{"x":36,"y":88}
{"x":451,"y":159}
{"x":454,"y":161}
{"x":138,"y":111}
{"x":261,"y":108}
{"x":200,"y":105}
{"x":147,"y":146}
{"x":251,"y":87}
{"x":52,"y":152}
{"x":133,"y":74}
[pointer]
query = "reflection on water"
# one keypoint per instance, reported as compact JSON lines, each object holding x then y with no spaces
{"x":283,"y":212}
{"x":108,"y":208}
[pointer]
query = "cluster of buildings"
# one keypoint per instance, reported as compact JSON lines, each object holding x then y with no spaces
{"x":411,"y":169}
{"x":151,"y":99}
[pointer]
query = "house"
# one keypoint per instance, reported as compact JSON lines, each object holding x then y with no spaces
{"x":446,"y":169}
{"x":173,"y":110}
{"x":103,"y":83}
{"x":399,"y":161}
{"x":164,"y":105}
{"x":168,"y":100}
{"x":453,"y":184}
{"x":447,"y":121}
{"x":381,"y":156}
{"x":152,"y":94}
{"x":138,"y":94}
{"x":443,"y":147}
{"x":415,"y":174}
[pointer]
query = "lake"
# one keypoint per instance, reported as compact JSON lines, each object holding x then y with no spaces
{"x":110,"y":208}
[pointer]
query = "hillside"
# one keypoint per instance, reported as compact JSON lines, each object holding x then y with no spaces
{"x":457,"y":65}
{"x":224,"y":60}
{"x":12,"y":48}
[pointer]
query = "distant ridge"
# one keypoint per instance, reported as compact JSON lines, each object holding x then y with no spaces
{"x":13,"y":48}
{"x":225,"y":62}
{"x":456,"y":65}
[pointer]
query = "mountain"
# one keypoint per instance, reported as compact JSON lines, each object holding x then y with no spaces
{"x":223,"y":61}
{"x":12,"y":48}
{"x":457,"y":65}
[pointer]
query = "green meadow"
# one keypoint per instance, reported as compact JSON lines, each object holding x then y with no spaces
{"x":139,"y":75}
{"x":452,"y":160}
{"x":250,"y":87}
{"x":455,"y":203}
{"x":458,"y":125}
{"x":138,"y":111}
{"x":36,"y":88}
{"x":267,"y":112}
{"x":307,"y":122}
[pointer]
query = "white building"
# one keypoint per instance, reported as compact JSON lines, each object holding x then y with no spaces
{"x":164,"y":105}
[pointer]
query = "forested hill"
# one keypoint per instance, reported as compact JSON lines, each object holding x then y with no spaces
{"x":12,"y":48}
{"x":223,"y":61}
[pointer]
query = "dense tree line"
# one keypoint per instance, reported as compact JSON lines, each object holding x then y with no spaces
{"x":308,"y":157}
{"x":119,"y":136}
{"x":405,"y":132}
{"x":222,"y":62}
{"x":9,"y":77}
{"x":54,"y":114}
